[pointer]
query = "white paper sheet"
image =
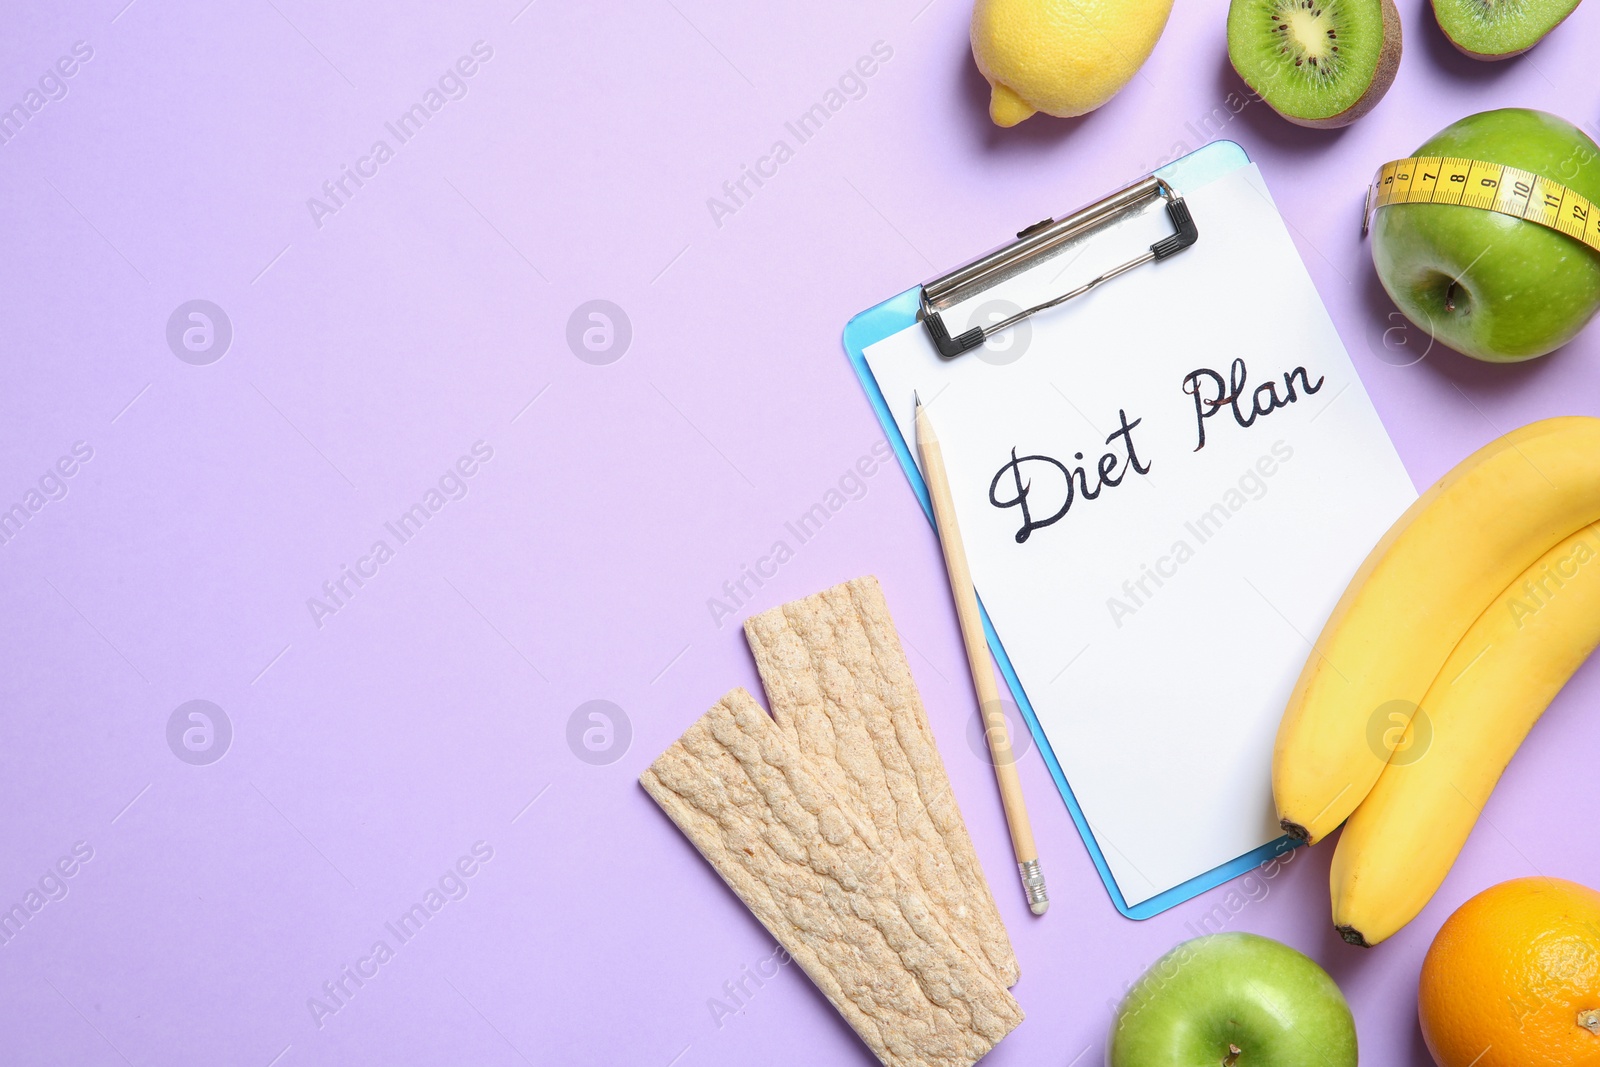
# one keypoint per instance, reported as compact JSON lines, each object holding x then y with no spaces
{"x":1159,"y":627}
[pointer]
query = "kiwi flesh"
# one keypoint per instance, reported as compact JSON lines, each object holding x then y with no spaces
{"x":1499,"y":29}
{"x":1318,"y":63}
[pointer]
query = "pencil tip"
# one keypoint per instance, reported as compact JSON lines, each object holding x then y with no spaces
{"x":916,"y":400}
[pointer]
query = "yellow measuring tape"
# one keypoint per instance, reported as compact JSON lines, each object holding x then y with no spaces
{"x":1488,"y":186}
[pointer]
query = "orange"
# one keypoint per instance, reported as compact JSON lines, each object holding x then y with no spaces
{"x":1513,"y":979}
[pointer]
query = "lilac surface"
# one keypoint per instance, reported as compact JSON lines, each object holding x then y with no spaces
{"x":427,"y":314}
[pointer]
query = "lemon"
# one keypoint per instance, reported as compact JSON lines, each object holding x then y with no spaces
{"x":1062,"y":57}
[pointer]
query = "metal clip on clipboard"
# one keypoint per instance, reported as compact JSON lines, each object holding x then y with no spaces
{"x":1039,"y":242}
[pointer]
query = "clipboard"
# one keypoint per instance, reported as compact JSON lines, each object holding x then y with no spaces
{"x":924,"y":303}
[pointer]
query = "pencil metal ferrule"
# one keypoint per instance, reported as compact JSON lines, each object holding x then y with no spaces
{"x":1033,"y":885}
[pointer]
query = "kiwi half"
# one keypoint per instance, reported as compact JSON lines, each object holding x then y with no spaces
{"x":1318,"y":63}
{"x":1499,"y":29}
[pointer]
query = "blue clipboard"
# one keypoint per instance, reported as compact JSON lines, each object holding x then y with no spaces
{"x":877,"y":323}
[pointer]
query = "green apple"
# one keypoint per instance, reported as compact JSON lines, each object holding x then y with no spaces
{"x":1489,"y":285}
{"x":1233,"y":998}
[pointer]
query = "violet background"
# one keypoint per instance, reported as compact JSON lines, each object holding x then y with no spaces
{"x":427,"y":314}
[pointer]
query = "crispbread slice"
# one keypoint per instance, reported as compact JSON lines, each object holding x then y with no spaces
{"x":841,"y":691}
{"x":809,"y":868}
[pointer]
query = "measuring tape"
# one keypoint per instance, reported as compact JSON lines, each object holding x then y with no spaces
{"x":1489,"y":186}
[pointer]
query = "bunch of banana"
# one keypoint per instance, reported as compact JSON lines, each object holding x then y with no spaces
{"x":1475,"y":607}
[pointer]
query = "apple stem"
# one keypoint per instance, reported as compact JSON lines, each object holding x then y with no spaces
{"x":1234,"y":1052}
{"x":1450,"y":296}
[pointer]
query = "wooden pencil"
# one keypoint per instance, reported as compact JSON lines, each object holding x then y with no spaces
{"x":979,"y":663}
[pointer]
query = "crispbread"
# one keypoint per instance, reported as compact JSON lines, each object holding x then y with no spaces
{"x":814,"y":872}
{"x":841,"y":691}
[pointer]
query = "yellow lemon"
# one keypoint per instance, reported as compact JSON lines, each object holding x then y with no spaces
{"x":1062,"y":57}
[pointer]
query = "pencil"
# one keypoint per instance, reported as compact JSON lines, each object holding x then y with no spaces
{"x":978,"y":662}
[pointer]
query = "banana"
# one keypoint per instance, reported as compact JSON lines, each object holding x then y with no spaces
{"x":1413,"y":598}
{"x":1397,"y":848}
